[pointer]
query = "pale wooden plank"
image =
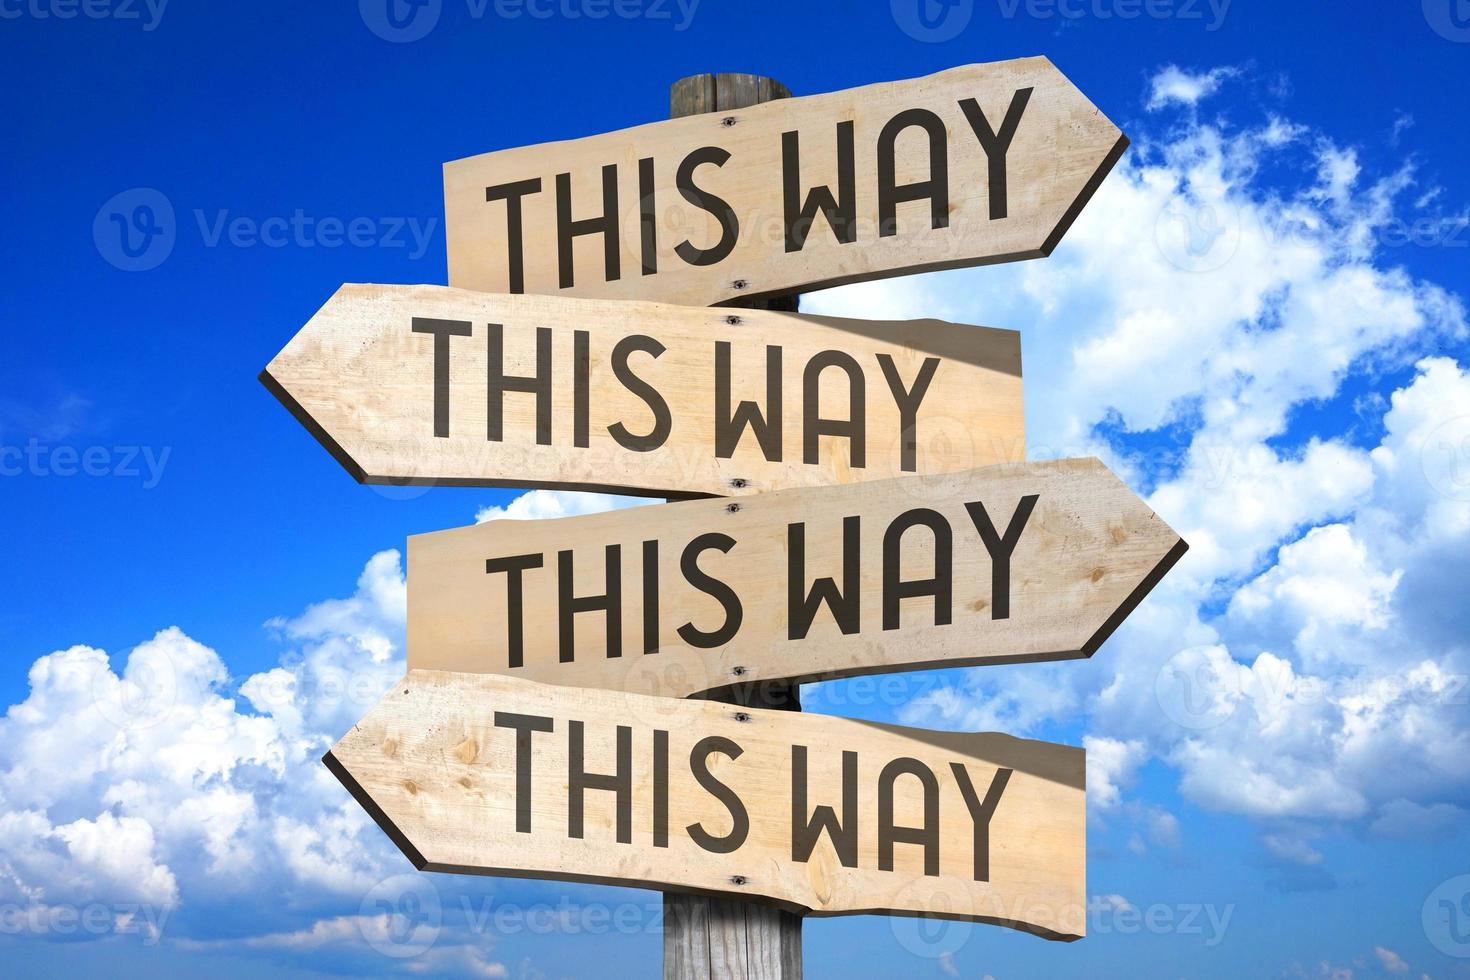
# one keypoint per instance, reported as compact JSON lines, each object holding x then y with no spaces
{"x":436,"y":764}
{"x":1085,"y":554}
{"x":1061,"y":149}
{"x":367,"y":384}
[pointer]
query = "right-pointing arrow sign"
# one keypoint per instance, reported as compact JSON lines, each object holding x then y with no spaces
{"x":979,"y":164}
{"x":1020,"y":562}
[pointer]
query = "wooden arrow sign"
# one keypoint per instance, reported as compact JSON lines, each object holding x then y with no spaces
{"x":985,"y":163}
{"x":495,"y":775}
{"x":425,"y":384}
{"x":1021,"y":562}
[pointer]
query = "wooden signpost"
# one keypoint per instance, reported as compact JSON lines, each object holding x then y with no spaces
{"x":985,"y":163}
{"x":494,"y":775}
{"x":878,"y":515}
{"x":426,"y":384}
{"x":708,"y":935}
{"x":1022,"y":562}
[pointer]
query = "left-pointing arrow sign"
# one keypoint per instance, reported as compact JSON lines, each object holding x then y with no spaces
{"x":495,"y":775}
{"x":431,"y":385}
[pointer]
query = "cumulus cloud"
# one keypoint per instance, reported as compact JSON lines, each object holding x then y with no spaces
{"x":1323,"y":585}
{"x":157,"y":789}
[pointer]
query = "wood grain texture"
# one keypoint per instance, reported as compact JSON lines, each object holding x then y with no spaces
{"x":438,"y":773}
{"x":1062,"y":148}
{"x":1085,"y":556}
{"x":364,"y":382}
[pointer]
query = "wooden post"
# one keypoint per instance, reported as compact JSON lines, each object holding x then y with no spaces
{"x":714,"y":938}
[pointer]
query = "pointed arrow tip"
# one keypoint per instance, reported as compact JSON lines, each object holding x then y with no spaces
{"x":1150,"y":580}
{"x":1088,"y":190}
{"x":311,"y":425}
{"x":364,"y":800}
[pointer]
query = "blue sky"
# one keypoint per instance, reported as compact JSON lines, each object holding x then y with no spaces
{"x":1259,"y":323}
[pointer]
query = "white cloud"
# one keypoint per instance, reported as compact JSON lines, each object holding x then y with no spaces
{"x":1112,"y":902}
{"x":1111,"y":764}
{"x":1232,"y":518}
{"x":1424,"y":461}
{"x":370,"y":619}
{"x":1323,"y":587}
{"x":1163,"y":828}
{"x":1390,"y":960}
{"x":155,"y":785}
{"x":538,"y":505}
{"x":1028,"y":698}
{"x":1292,"y":849}
{"x":48,"y":864}
{"x":1178,"y":86}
